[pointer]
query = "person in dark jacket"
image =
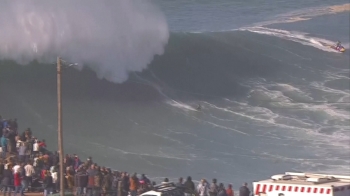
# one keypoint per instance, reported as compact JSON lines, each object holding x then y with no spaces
{"x":77,"y":162}
{"x":106,"y":181}
{"x":47,"y":183}
{"x":221,"y":190}
{"x":126,"y":184}
{"x":120,"y":185}
{"x":12,"y":142}
{"x":80,"y":181}
{"x":91,"y":177}
{"x":189,"y":186}
{"x":24,"y":182}
{"x":115,"y":182}
{"x":244,"y":190}
{"x":1,"y":124}
{"x":97,"y":182}
{"x":2,"y":168}
{"x":7,"y":182}
{"x":181,"y":185}
{"x":55,"y":158}
{"x":213,"y":188}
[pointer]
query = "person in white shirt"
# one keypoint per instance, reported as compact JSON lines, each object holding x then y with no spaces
{"x":35,"y":163}
{"x":18,"y":143}
{"x":54,"y":180}
{"x":29,"y":169}
{"x":16,"y":168}
{"x":35,"y":148}
{"x":52,"y":168}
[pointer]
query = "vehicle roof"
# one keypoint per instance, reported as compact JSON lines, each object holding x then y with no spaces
{"x":326,"y":184}
{"x":150,"y":193}
{"x":301,"y":179}
{"x":162,"y":188}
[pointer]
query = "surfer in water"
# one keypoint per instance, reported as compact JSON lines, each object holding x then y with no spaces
{"x":338,"y":45}
{"x":199,"y":107}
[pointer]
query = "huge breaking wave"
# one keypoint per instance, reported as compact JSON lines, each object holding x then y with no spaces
{"x":209,"y":66}
{"x":112,"y":37}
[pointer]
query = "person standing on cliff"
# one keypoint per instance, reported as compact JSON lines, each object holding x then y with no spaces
{"x":189,"y":187}
{"x":22,"y":152}
{"x":1,"y":125}
{"x":134,"y":185}
{"x":35,"y":148}
{"x":6,"y":181}
{"x":203,"y":188}
{"x":29,"y":172}
{"x":229,"y":190}
{"x":17,"y":181}
{"x":12,"y":140}
{"x":4,"y":145}
{"x":244,"y":190}
{"x":213,"y":188}
{"x":47,"y":183}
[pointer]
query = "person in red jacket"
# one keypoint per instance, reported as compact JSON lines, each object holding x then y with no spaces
{"x":42,"y":145}
{"x":229,"y":190}
{"x":17,"y":182}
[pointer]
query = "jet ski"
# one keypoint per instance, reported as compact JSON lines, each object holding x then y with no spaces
{"x":338,"y":48}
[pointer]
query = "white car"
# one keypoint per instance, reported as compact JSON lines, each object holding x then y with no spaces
{"x":165,"y":189}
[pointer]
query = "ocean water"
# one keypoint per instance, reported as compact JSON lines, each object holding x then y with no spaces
{"x":273,"y":97}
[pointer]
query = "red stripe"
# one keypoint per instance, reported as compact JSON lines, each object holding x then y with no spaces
{"x":296,"y":189}
{"x":264,"y":188}
{"x":308,"y":189}
{"x":277,"y":187}
{"x":270,"y":188}
{"x":257,"y":189}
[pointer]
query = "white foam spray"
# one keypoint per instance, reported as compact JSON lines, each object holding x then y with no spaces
{"x":295,"y":36}
{"x":112,"y":37}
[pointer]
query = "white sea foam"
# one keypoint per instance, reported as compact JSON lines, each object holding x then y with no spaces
{"x":300,"y":37}
{"x":181,"y":105}
{"x":112,"y":37}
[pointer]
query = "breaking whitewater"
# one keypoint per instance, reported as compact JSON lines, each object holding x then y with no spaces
{"x":272,"y":100}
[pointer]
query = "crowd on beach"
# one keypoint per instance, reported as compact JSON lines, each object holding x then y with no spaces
{"x":27,"y":166}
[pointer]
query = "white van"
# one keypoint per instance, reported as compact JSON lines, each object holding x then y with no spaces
{"x":303,"y":184}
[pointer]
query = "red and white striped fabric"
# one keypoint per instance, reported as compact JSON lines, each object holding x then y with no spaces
{"x":266,"y":188}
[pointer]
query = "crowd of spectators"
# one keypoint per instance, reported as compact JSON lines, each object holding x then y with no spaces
{"x":27,"y":166}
